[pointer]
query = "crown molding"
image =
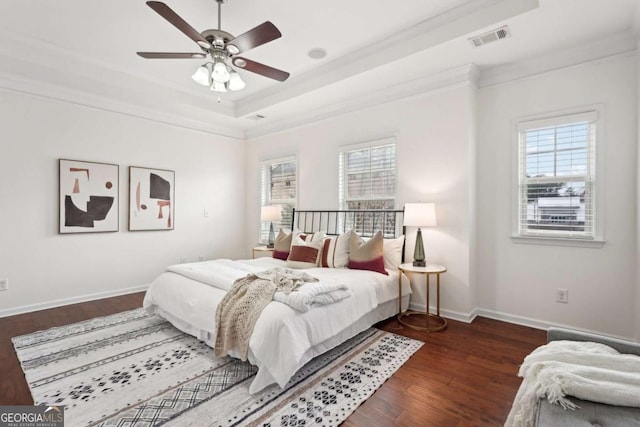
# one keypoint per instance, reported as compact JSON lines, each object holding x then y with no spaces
{"x":45,"y":90}
{"x":620,"y":43}
{"x":454,"y":23}
{"x":35,"y":54}
{"x":415,"y":88}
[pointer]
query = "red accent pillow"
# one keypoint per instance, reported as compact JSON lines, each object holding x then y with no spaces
{"x":282,"y":245}
{"x":376,"y":265}
{"x":281,"y":255}
{"x":367,"y":255}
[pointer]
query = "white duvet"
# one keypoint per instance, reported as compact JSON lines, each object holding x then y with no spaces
{"x":282,"y":336}
{"x":222,"y":273}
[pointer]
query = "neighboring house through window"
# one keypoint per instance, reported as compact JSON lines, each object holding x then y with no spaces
{"x":368,"y":181}
{"x":557,"y":165}
{"x":278,"y":187}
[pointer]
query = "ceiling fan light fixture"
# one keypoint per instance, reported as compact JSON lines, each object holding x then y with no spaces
{"x":220,"y":73}
{"x":236,"y":82}
{"x":218,"y":86}
{"x":201,"y":76}
{"x":222,"y":47}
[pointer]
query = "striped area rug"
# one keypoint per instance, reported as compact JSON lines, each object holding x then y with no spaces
{"x":133,"y":369}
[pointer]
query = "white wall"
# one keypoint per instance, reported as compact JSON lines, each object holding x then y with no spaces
{"x":45,"y":267}
{"x":433,"y":145}
{"x":637,"y":308}
{"x":519,"y":280}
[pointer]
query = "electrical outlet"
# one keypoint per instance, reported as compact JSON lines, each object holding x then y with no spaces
{"x":200,"y":257}
{"x":4,"y":284}
{"x":183,"y":260}
{"x":562,"y":295}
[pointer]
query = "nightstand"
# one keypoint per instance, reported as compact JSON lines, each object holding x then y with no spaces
{"x":262,"y":250}
{"x":427,"y":271}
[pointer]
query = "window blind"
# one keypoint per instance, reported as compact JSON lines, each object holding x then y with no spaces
{"x":557,"y":177}
{"x":368,"y":181}
{"x":278,"y":179}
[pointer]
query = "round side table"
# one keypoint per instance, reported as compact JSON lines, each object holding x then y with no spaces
{"x":430,"y":269}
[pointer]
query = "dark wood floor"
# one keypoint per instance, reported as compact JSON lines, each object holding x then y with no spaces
{"x":463,"y":376}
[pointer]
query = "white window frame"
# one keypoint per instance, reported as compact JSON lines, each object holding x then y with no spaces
{"x":595,"y":115}
{"x":342,"y":175}
{"x":358,"y":223}
{"x":265,"y":193}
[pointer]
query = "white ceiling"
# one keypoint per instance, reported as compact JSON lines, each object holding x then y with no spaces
{"x":84,"y":51}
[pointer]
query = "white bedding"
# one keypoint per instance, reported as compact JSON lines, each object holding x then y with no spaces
{"x":283,"y":339}
{"x":222,"y":273}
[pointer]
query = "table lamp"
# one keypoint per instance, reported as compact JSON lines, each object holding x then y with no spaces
{"x":419,"y":215}
{"x":271,"y":213}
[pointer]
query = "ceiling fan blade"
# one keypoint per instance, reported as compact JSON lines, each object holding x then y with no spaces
{"x":258,"y":68}
{"x":171,"y":55}
{"x":167,"y":13}
{"x":255,"y":37}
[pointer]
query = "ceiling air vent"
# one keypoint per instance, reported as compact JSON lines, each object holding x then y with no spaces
{"x":491,"y":36}
{"x":256,"y":117}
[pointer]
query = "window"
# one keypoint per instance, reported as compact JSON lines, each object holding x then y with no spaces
{"x":279,"y":187}
{"x":557,"y":177}
{"x":368,"y":180}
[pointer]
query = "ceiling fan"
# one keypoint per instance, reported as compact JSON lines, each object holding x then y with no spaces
{"x":222,"y":47}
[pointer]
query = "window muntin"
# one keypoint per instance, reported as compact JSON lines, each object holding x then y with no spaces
{"x":279,"y":187}
{"x":368,"y":181}
{"x":557,"y":177}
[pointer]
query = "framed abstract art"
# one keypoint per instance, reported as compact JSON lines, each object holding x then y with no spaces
{"x":88,"y":196}
{"x":151,"y":199}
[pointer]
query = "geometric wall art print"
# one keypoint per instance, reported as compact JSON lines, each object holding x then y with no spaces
{"x":151,"y":199}
{"x":88,"y":196}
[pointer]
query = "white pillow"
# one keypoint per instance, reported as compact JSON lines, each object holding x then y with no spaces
{"x":392,"y":252}
{"x":308,"y":237}
{"x":304,"y":254}
{"x":335,"y":253}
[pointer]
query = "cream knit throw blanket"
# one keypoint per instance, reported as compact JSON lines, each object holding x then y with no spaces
{"x":239,"y":310}
{"x":586,"y":370}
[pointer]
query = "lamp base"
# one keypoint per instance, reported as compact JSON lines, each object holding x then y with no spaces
{"x":418,"y":253}
{"x":272,"y":238}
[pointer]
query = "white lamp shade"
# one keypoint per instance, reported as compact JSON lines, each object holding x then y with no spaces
{"x":218,"y":87}
{"x":236,"y":82}
{"x":420,"y":215}
{"x":271,"y":213}
{"x":220,"y":73}
{"x":201,"y":76}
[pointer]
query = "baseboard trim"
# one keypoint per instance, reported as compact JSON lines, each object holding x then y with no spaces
{"x":540,"y":324}
{"x":68,"y":301}
{"x":449,"y":314}
{"x":512,"y":318}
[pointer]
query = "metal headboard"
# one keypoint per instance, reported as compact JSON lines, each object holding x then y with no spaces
{"x":365,"y":222}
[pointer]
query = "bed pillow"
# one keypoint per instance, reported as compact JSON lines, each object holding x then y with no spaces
{"x":310,"y":237}
{"x":392,"y":252}
{"x":367,"y":255}
{"x":335,"y":253}
{"x":304,"y":254}
{"x":282,"y":245}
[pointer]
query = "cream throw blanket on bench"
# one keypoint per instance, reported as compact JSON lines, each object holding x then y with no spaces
{"x":239,"y":310}
{"x":586,"y":370}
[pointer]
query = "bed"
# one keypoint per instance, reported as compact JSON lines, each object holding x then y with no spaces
{"x":284,"y":339}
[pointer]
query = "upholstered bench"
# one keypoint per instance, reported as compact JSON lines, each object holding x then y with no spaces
{"x":590,"y":413}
